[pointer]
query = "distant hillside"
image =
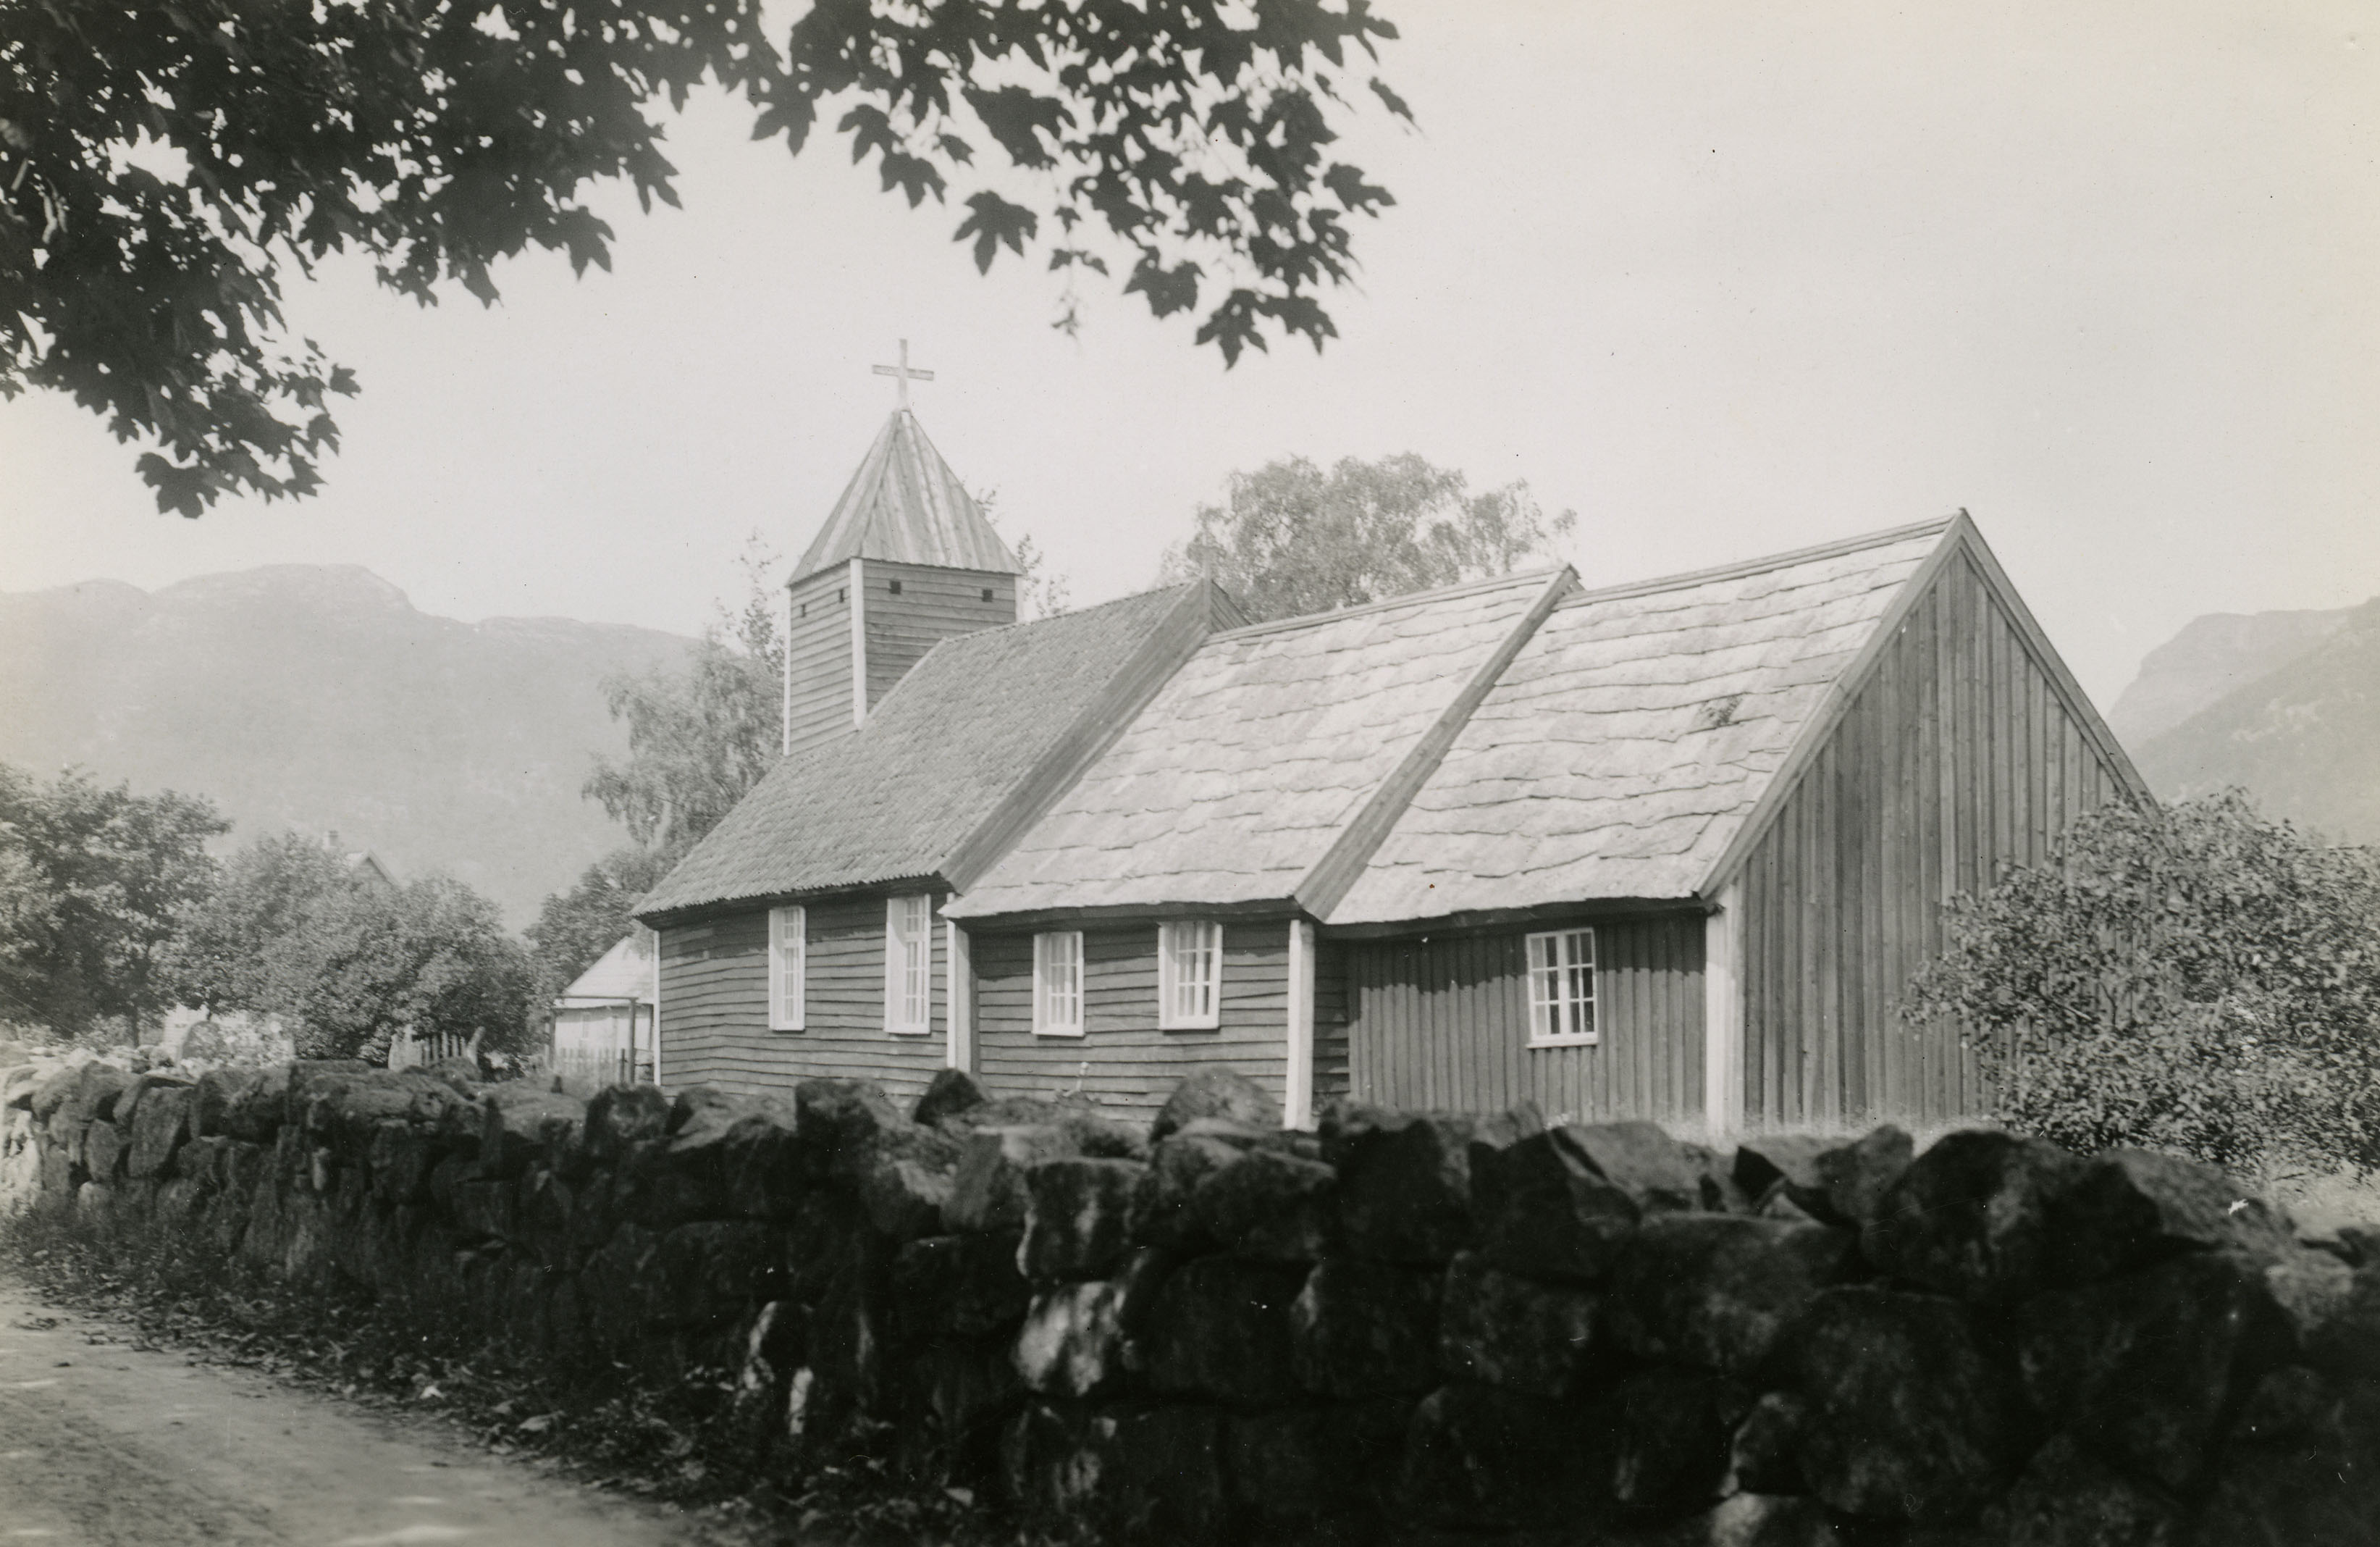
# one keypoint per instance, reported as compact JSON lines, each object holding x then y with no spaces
{"x":2211,"y":657}
{"x":317,"y":698}
{"x":2304,"y":737}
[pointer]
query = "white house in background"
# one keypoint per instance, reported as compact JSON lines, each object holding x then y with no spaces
{"x":604,"y":1021}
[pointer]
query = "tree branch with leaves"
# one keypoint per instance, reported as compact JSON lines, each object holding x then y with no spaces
{"x":162,"y":164}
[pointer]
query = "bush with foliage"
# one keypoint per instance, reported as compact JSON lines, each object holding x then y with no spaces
{"x":91,"y":881}
{"x":349,"y":962}
{"x":2191,"y":978}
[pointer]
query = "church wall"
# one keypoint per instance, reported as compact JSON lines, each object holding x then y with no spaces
{"x":933,"y":604}
{"x":715,"y":1003}
{"x":1123,"y":1060}
{"x":817,"y":652}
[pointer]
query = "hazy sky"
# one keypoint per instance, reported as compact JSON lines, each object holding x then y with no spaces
{"x":1726,"y":278}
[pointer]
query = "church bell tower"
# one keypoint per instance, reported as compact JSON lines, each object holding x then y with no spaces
{"x":905,"y":561}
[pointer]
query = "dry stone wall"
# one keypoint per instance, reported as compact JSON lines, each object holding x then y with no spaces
{"x":1407,"y":1326}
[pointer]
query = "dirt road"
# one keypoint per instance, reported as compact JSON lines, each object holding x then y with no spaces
{"x":104,"y":1443}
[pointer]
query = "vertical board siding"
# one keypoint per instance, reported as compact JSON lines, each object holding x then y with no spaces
{"x":1123,"y":1060}
{"x":1957,"y":760}
{"x":934,"y":604}
{"x":715,"y":1004}
{"x":818,"y":652}
{"x":1442,"y":1022}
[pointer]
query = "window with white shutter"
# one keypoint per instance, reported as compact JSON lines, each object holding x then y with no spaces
{"x":1058,"y":983}
{"x":1189,"y":974}
{"x":909,"y":963}
{"x":788,"y":958}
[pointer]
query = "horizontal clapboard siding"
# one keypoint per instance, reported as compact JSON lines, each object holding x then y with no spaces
{"x":715,"y":1004}
{"x":818,"y":659}
{"x":934,"y":604}
{"x":1441,"y":1023}
{"x":1957,"y":759}
{"x":1123,"y":1060}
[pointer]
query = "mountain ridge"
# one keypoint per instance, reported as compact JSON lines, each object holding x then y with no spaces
{"x":319,"y":698}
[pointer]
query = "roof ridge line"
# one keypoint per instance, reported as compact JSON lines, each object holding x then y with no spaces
{"x":1443,"y":593}
{"x":1326,"y":885}
{"x":1775,"y":561}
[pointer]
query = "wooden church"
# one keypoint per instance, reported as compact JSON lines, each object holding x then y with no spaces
{"x":1669,"y":849}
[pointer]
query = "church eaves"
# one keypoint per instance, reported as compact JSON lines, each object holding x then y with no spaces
{"x":905,"y":505}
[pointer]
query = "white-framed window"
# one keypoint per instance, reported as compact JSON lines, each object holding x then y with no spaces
{"x":1189,"y":974}
{"x":1058,"y":983}
{"x":909,"y":963}
{"x":1562,"y":988}
{"x":788,"y":960}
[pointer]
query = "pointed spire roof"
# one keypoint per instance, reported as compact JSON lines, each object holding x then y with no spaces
{"x":906,"y":505}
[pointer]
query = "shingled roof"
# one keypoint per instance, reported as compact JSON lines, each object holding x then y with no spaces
{"x":947,"y":755}
{"x":905,"y":505}
{"x":1632,"y":737}
{"x":1243,"y":772}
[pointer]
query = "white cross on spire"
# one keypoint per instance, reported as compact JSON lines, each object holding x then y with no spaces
{"x":905,"y":374}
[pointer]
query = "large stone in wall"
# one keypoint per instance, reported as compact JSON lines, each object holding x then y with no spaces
{"x":2301,"y":1464}
{"x":1857,"y":1175}
{"x":1543,"y":1209}
{"x":1483,"y":1458}
{"x":241,"y":1103}
{"x":1296,"y":1468}
{"x":402,"y":1156}
{"x":127,"y":1105}
{"x":949,"y":1094}
{"x":1220,"y":1327}
{"x":1077,"y":1217}
{"x":1973,"y":1216}
{"x":1269,"y":1205}
{"x":716,"y":1271}
{"x":1910,"y":1419}
{"x":618,"y":1286}
{"x":2143,"y":1367}
{"x":908,"y":1183}
{"x":957,"y":1286}
{"x":519,"y":1124}
{"x":2126,"y":1207}
{"x":2067,"y":1497}
{"x":1404,"y":1178}
{"x":158,"y":1129}
{"x":988,"y":1192}
{"x":1669,"y":1448}
{"x":1718,"y":1291}
{"x":1765,"y":1451}
{"x":620,"y":1117}
{"x":1762,"y":1520}
{"x":1522,"y":1333}
{"x":838,"y":1121}
{"x":1216,"y":1092}
{"x":1657,"y":1174}
{"x":102,"y":1152}
{"x":1072,"y":1342}
{"x":1125,"y":1474}
{"x":1164,"y":1211}
{"x":78,"y":1095}
{"x":1364,"y":1329}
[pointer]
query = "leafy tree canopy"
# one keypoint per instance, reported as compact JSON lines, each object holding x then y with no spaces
{"x":161,"y":164}
{"x":91,"y":881}
{"x":347,"y":961}
{"x":700,"y":735}
{"x":2193,"y":978}
{"x":1291,"y":539}
{"x":575,"y":927}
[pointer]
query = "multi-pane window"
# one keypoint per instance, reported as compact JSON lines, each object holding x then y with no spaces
{"x":909,"y":963}
{"x":1058,"y":983}
{"x":1189,"y":974}
{"x":1562,"y":988}
{"x":788,"y":952}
